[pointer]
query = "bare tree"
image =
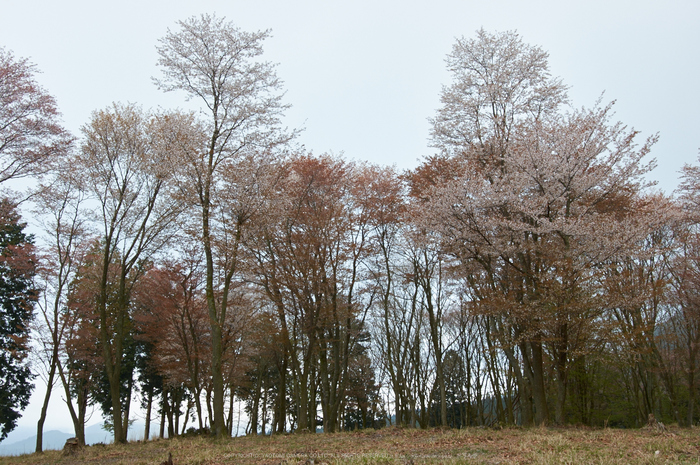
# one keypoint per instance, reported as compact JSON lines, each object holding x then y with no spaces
{"x":308,"y":264}
{"x":60,"y":206}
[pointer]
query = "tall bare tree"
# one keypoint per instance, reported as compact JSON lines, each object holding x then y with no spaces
{"x":59,"y":204}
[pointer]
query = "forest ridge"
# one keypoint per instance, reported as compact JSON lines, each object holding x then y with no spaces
{"x":526,"y":273}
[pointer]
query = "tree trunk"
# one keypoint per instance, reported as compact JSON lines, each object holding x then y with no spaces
{"x":186,"y":417}
{"x":198,"y":406}
{"x":209,"y":409}
{"x":256,"y":408}
{"x":164,"y":407}
{"x":169,"y":415}
{"x":538,"y":388}
{"x":562,"y":374}
{"x":229,"y":422}
{"x":217,"y":376}
{"x":264,"y":412}
{"x":282,"y":396}
{"x":45,"y":406}
{"x":127,"y":408}
{"x":114,"y":391}
{"x":691,"y":395}
{"x":149,"y":405}
{"x":303,"y":403}
{"x":443,"y":397}
{"x":216,"y":317}
{"x":78,"y":418}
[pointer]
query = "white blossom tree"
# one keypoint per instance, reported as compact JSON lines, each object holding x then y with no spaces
{"x":125,"y":171}
{"x":218,"y":64}
{"x":498,"y":83}
{"x":543,"y":200}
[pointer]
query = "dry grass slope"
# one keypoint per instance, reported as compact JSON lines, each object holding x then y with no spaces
{"x":404,"y":446}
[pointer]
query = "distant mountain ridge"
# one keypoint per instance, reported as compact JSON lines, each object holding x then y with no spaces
{"x":55,"y":439}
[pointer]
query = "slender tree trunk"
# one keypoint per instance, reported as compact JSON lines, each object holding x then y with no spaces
{"x":466,"y":416}
{"x":186,"y":417}
{"x":198,"y":406}
{"x":209,"y":409}
{"x":161,"y":432}
{"x":313,"y":395}
{"x":163,"y":408}
{"x":79,"y":423}
{"x":303,"y":403}
{"x":149,"y":408}
{"x":177,"y":402}
{"x":562,"y":373}
{"x":264,"y":412}
{"x":691,"y":395}
{"x":443,"y":397}
{"x":282,"y":396}
{"x":45,"y":406}
{"x":238,"y":421}
{"x":255,"y":409}
{"x":509,"y":397}
{"x":78,"y":418}
{"x":170,"y":406}
{"x":229,"y":423}
{"x":115,"y":395}
{"x":127,"y":407}
{"x":217,"y":375}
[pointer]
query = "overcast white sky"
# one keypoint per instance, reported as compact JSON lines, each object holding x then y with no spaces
{"x":363,"y":76}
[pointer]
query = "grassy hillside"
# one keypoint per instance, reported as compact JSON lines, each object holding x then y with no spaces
{"x":405,"y":446}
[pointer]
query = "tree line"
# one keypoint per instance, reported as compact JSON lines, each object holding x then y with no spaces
{"x":526,"y":273}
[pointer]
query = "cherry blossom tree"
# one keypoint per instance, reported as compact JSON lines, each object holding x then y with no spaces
{"x":31,"y":136}
{"x":544,"y":199}
{"x":218,"y":64}
{"x":171,"y":316}
{"x":685,"y":271}
{"x":498,"y":83}
{"x":124,"y":171}
{"x":311,"y":263}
